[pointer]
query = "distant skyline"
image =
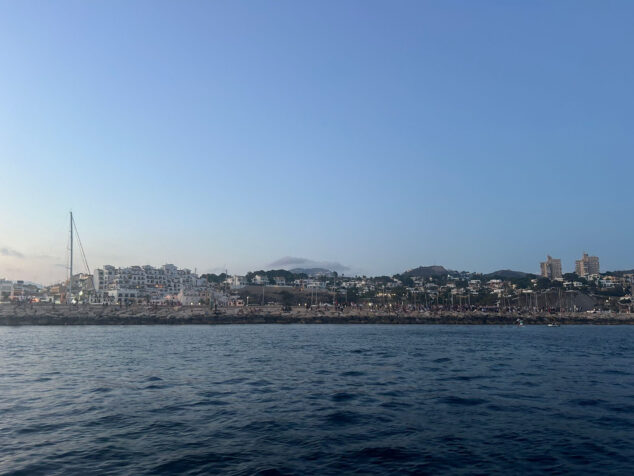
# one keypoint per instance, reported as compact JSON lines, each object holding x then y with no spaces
{"x":374,"y":136}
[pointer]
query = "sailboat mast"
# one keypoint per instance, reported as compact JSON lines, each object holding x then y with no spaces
{"x":70,"y":278}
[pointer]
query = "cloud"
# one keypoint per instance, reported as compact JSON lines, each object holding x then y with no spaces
{"x":290,"y":261}
{"x":44,"y":257}
{"x":4,"y":251}
{"x":294,"y":262}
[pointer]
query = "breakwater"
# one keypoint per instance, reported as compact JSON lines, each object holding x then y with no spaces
{"x":47,"y":314}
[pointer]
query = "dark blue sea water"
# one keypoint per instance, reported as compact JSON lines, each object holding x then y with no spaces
{"x":316,"y":399}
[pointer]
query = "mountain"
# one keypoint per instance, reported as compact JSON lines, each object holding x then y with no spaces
{"x":507,"y":274}
{"x":426,"y":272}
{"x":620,"y":272}
{"x":312,"y":271}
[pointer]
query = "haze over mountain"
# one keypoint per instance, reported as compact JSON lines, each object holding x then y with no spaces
{"x":312,"y":271}
{"x":507,"y":274}
{"x":292,"y":263}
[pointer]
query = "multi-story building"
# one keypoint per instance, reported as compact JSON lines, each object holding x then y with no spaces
{"x":236,"y":282}
{"x":587,"y":265}
{"x":6,"y":289}
{"x":261,"y":279}
{"x":19,"y":291}
{"x":143,"y":283}
{"x":551,"y":268}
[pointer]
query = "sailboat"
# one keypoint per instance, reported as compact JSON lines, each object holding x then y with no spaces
{"x":72,"y":233}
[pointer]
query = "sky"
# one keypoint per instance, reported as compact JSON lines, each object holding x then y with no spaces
{"x":371,"y":136}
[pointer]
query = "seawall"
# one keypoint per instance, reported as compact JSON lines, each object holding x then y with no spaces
{"x":46,"y":314}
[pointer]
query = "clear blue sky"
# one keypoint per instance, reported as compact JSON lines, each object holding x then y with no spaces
{"x":380,"y":135}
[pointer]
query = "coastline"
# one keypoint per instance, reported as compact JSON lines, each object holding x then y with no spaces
{"x":48,"y":315}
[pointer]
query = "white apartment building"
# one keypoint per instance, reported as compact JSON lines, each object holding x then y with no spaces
{"x":236,"y":282}
{"x":315,"y":283}
{"x":260,"y":279}
{"x":143,"y":283}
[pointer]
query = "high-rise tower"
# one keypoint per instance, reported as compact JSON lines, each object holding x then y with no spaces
{"x":551,"y":268}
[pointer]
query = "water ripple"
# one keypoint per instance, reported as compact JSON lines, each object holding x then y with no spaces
{"x":274,"y":400}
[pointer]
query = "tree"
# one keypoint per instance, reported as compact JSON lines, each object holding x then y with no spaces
{"x":286,"y":298}
{"x":215,"y":278}
{"x":543,"y":283}
{"x":352,"y":294}
{"x":275,"y":273}
{"x":523,"y":283}
{"x":399,"y":292}
{"x":406,"y":280}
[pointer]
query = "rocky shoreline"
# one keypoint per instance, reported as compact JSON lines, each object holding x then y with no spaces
{"x":48,"y":315}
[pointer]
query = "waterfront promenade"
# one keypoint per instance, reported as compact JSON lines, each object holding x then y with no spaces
{"x":48,"y":314}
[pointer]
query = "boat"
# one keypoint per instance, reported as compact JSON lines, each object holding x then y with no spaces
{"x":74,"y":233}
{"x":553,"y":324}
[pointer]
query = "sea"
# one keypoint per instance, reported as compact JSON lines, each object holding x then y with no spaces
{"x":316,"y":399}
